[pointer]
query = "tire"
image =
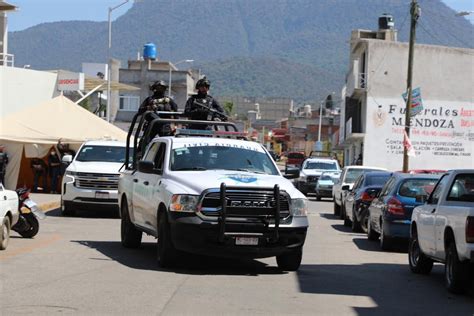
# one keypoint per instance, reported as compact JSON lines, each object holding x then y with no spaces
{"x":290,"y":261}
{"x":386,"y":242}
{"x":318,"y":198}
{"x":342,"y":213}
{"x":371,"y":234}
{"x":355,"y":224}
{"x":364,"y":220}
{"x":456,"y":272}
{"x":66,"y":210}
{"x":337,"y":209}
{"x":419,"y":263}
{"x":167,"y":254}
{"x":5,"y":229}
{"x":130,"y":236}
{"x":34,"y":226}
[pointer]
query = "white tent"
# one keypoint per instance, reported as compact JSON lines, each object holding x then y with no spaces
{"x":36,"y":129}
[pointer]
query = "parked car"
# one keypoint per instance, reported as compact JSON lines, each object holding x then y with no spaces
{"x":311,"y":170}
{"x":442,"y":230}
{"x":358,"y":199}
{"x":9,"y":214}
{"x":390,"y":212}
{"x":91,"y":179}
{"x":295,"y":159}
{"x":325,"y":184}
{"x":348,"y":176}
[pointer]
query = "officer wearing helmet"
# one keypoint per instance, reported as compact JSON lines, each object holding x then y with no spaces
{"x":202,"y":106}
{"x":158,"y":101}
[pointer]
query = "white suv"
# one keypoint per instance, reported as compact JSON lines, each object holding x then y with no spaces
{"x":91,"y":179}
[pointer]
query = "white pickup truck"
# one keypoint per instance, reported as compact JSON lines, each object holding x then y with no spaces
{"x":442,"y":230}
{"x":212,"y":195}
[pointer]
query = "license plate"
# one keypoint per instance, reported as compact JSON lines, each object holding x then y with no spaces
{"x":246,"y":241}
{"x":102,"y":195}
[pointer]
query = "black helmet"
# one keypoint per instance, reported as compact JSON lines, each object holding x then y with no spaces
{"x":159,"y":83}
{"x":203,"y":83}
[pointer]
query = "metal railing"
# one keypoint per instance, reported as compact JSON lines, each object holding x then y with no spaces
{"x":7,"y":60}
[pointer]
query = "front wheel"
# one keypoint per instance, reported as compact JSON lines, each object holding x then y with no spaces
{"x":337,"y":208}
{"x":355,"y":223}
{"x":167,"y":253}
{"x":419,"y":263}
{"x":371,"y":233}
{"x":290,"y":261}
{"x":34,"y":226}
{"x":456,"y":272}
{"x":5,"y":233}
{"x":66,"y":209}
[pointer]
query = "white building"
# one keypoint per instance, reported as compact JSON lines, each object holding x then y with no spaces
{"x":372,"y":121}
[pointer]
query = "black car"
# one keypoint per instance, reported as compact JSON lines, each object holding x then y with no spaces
{"x":357,"y":200}
{"x":390,"y":212}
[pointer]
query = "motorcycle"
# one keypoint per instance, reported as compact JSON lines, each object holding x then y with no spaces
{"x":27,"y":225}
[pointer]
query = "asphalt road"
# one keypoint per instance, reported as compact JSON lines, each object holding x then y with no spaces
{"x":77,"y":265}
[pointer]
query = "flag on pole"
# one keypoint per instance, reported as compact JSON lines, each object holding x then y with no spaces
{"x":408,"y":145}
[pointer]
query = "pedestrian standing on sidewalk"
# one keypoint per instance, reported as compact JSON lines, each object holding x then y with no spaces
{"x":3,"y":164}
{"x":54,"y":164}
{"x":39,"y":171}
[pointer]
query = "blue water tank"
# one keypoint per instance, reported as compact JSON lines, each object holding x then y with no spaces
{"x":149,"y":51}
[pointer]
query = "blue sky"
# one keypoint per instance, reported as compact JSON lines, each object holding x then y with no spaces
{"x":33,"y":12}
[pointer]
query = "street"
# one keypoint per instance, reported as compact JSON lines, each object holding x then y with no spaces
{"x":77,"y":265}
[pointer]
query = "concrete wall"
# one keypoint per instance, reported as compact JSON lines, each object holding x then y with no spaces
{"x":443,"y":133}
{"x":21,"y":88}
{"x":443,"y":73}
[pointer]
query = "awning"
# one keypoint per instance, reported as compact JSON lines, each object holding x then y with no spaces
{"x":92,"y":83}
{"x":7,"y":7}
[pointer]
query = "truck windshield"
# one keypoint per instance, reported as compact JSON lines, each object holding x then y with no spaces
{"x":221,"y":157}
{"x":321,"y":165}
{"x":101,"y":154}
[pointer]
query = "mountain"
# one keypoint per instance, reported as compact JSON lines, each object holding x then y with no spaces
{"x":292,"y":48}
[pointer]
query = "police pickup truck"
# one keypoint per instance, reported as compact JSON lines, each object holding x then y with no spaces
{"x":209,"y":192}
{"x":442,"y":230}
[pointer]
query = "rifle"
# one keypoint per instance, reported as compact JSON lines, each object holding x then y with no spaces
{"x":212,"y":113}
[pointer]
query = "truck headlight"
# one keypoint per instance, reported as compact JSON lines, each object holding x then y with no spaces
{"x":302,"y":178}
{"x":70,"y":173}
{"x":184,"y":203}
{"x":299,"y":207}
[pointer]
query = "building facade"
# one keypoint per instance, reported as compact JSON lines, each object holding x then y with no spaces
{"x":268,"y":108}
{"x":373,"y":118}
{"x":142,"y":73}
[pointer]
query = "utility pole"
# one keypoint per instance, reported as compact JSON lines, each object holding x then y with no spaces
{"x":415,"y":14}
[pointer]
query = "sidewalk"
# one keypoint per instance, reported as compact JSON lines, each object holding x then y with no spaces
{"x":46,"y":202}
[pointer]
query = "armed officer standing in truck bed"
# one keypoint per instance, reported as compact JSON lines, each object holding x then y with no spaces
{"x":202,"y":106}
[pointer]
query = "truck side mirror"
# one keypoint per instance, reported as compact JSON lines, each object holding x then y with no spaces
{"x":67,"y":159}
{"x":292,"y":173}
{"x":345,"y":187}
{"x":146,"y":166}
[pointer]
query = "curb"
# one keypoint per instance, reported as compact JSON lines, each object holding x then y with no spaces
{"x":49,"y":206}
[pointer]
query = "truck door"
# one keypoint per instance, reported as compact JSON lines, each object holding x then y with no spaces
{"x":153,"y":182}
{"x":142,"y":189}
{"x":427,"y":219}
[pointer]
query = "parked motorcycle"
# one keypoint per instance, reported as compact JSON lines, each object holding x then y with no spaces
{"x":27,"y":225}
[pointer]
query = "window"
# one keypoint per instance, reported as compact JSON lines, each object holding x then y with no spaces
{"x":388,"y":186}
{"x":156,"y":153}
{"x":413,"y":187}
{"x":320,"y":165}
{"x":129,"y":103}
{"x":101,"y":153}
{"x":436,"y":194}
{"x":462,"y":188}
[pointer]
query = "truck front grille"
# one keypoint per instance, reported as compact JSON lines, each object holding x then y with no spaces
{"x":312,"y":179}
{"x":246,"y":203}
{"x":97,"y":181}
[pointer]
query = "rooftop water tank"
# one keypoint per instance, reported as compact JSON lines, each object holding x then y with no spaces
{"x":149,"y":51}
{"x":386,"y":22}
